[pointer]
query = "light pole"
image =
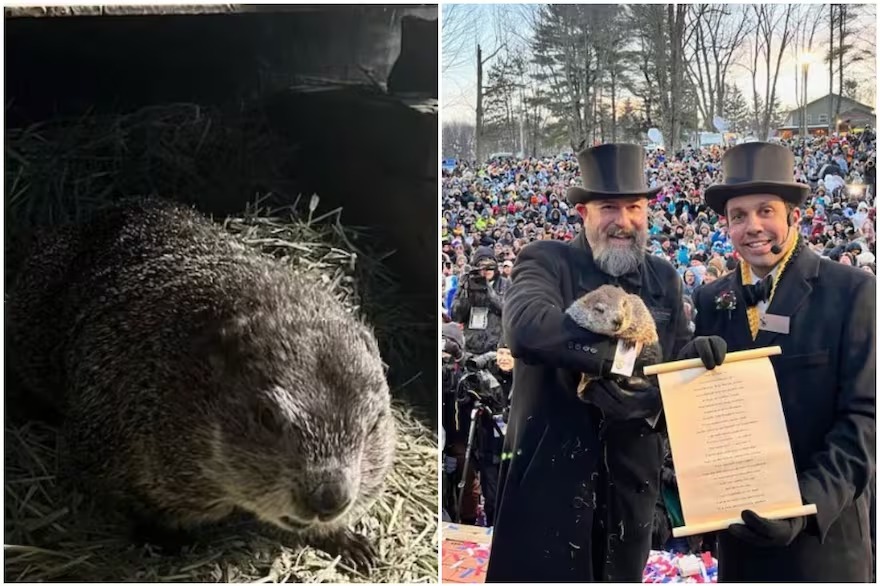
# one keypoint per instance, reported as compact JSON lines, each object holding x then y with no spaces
{"x":805,"y":61}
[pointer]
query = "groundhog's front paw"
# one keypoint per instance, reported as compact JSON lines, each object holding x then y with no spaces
{"x":356,"y":548}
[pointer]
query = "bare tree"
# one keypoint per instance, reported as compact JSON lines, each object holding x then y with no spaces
{"x":501,"y":32}
{"x":841,"y":40}
{"x":719,"y":30}
{"x":458,"y":28}
{"x":469,"y":28}
{"x":831,"y":13}
{"x":850,"y":48}
{"x":514,"y":90}
{"x":458,"y":140}
{"x":774,"y":30}
{"x":480,"y":130}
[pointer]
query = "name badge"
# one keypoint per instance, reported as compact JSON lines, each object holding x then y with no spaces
{"x":625,"y":358}
{"x":479,"y":318}
{"x":774,"y":323}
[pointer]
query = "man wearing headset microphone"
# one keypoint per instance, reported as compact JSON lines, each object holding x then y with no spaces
{"x":821,"y":313}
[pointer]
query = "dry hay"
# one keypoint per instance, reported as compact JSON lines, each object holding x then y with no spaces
{"x":52,"y":534}
{"x":119,"y":10}
{"x":62,"y":169}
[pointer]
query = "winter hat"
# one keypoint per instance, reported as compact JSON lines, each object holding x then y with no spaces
{"x":866,"y":258}
{"x":482,"y":253}
{"x":453,"y":340}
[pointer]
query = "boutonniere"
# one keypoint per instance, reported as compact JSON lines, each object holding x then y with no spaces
{"x":726,"y":300}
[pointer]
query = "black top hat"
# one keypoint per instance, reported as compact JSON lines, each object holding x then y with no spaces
{"x":611,"y":171}
{"x":756,"y":167}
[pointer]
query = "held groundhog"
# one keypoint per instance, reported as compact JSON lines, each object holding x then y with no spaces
{"x":612,"y":312}
{"x":196,"y":377}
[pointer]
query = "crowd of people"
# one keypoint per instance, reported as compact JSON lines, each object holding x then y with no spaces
{"x":501,"y":205}
{"x":493,"y":209}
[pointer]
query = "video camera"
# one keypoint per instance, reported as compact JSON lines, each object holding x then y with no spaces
{"x":475,"y":280}
{"x":453,"y":352}
{"x":480,"y":361}
{"x":478,"y":383}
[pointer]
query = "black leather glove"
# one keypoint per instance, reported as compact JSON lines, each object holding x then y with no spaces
{"x":631,"y":398}
{"x":766,"y":532}
{"x":710,"y":349}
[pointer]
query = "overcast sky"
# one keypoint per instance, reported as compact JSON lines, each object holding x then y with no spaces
{"x":479,"y":22}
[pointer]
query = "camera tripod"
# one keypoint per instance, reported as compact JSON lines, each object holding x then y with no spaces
{"x":477,"y":411}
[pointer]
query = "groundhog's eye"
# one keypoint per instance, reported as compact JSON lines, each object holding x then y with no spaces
{"x":270,"y":420}
{"x":600,"y":309}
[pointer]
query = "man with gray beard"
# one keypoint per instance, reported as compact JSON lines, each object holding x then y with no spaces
{"x":579,"y":479}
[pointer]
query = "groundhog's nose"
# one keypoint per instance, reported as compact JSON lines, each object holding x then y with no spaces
{"x":330,"y":497}
{"x":617,"y":323}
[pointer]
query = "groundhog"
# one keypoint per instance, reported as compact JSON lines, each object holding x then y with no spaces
{"x":611,"y":311}
{"x":198,"y":377}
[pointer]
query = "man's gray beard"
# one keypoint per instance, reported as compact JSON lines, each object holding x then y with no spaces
{"x":614,"y":260}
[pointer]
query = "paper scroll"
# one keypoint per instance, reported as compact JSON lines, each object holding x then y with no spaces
{"x":729,"y":441}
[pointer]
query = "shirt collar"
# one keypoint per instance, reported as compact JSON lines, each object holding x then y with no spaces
{"x":756,"y":279}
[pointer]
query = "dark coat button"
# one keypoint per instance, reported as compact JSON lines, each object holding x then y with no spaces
{"x":577,"y":347}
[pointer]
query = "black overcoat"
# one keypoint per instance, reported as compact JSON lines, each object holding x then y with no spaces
{"x":825,"y":376}
{"x":557,"y":476}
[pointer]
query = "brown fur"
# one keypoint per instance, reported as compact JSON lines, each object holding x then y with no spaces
{"x":196,"y":376}
{"x":612,"y":312}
